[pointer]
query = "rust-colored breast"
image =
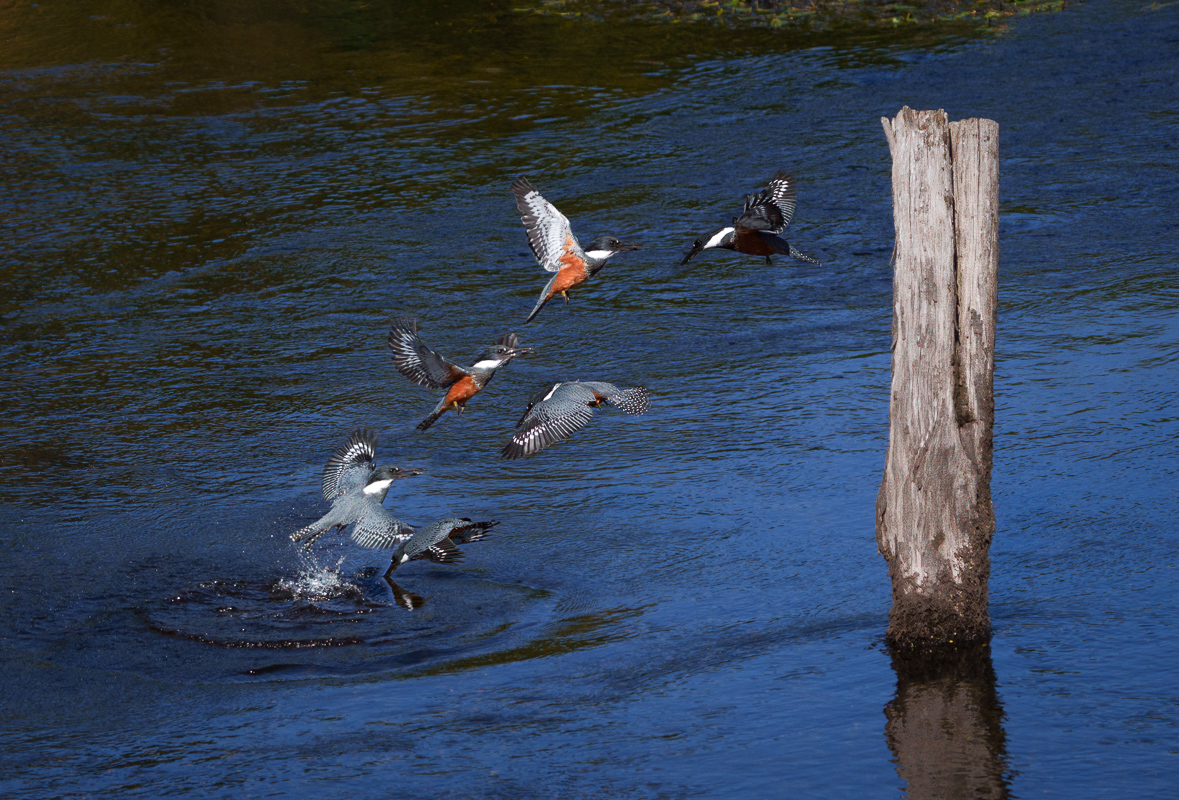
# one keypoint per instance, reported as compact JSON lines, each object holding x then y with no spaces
{"x":463,"y":390}
{"x":753,"y":244}
{"x":568,"y":277}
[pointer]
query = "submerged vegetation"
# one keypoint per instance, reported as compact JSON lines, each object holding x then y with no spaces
{"x":796,"y":14}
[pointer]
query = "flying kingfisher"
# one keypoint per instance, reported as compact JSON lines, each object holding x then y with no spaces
{"x":426,"y":367}
{"x":552,"y":242}
{"x":553,"y":414}
{"x":755,"y":232}
{"x":356,"y":488}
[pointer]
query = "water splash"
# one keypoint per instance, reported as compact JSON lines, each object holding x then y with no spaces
{"x":317,"y":582}
{"x":315,"y":608}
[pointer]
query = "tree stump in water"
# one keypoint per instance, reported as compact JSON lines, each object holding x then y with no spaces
{"x":934,"y":516}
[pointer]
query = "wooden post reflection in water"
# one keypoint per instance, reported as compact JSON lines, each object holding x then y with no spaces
{"x":945,"y":725}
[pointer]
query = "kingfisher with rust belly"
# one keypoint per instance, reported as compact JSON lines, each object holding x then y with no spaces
{"x":551,"y":239}
{"x":757,"y":231}
{"x":426,"y":367}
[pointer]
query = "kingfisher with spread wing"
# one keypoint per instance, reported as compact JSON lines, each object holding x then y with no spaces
{"x":551,"y":239}
{"x":426,"y":367}
{"x":556,"y":413}
{"x":437,"y":542}
{"x":356,"y":488}
{"x":757,"y":231}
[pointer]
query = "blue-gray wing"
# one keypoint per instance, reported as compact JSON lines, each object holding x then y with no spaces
{"x":433,"y":542}
{"x":465,"y":531}
{"x":349,"y":467}
{"x":378,"y":528}
{"x":549,"y":234}
{"x":772,"y":208}
{"x":552,"y":416}
{"x":418,"y":362}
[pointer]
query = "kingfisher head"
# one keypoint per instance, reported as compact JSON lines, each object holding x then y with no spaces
{"x":603,"y":247}
{"x":382,"y":478}
{"x":504,"y":350}
{"x":721,"y":237}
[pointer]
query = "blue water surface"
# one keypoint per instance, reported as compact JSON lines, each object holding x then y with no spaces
{"x":210,"y":221}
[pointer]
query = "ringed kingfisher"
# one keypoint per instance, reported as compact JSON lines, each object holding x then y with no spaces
{"x":438,"y":542}
{"x":552,"y":242}
{"x":426,"y":367}
{"x":756,"y":231}
{"x":556,"y":413}
{"x":356,"y":488}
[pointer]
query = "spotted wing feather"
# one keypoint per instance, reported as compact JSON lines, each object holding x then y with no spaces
{"x":417,"y":361}
{"x":465,"y":531}
{"x":444,"y":552}
{"x":349,"y":467}
{"x":772,"y":208}
{"x":380,"y":529}
{"x":431,"y":536}
{"x":549,"y":234}
{"x":556,"y":415}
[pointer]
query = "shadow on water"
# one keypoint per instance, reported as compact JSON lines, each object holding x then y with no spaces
{"x":945,"y":725}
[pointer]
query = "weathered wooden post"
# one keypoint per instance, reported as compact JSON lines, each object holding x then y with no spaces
{"x":934,"y":517}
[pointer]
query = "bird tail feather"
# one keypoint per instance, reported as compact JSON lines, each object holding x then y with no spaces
{"x":544,"y":298}
{"x":438,"y":411}
{"x":803,"y":256}
{"x":310,"y":533}
{"x":632,"y":401}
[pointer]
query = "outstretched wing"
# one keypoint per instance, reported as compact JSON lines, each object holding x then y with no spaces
{"x":549,"y":234}
{"x":770,"y":209}
{"x":443,"y":552}
{"x":380,"y":529}
{"x":464,"y":531}
{"x":349,"y":467}
{"x":559,"y":413}
{"x":434,"y":538}
{"x":418,"y":362}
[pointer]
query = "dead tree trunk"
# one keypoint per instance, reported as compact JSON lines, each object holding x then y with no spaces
{"x":934,"y":517}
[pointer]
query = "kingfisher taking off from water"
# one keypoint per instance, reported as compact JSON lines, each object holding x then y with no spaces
{"x":756,"y":231}
{"x":437,"y":542}
{"x":552,"y":242}
{"x":425,"y":367}
{"x":356,"y":488}
{"x":553,"y":414}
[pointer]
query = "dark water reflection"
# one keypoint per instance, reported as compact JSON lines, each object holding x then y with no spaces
{"x":211,"y":213}
{"x":945,"y":725}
